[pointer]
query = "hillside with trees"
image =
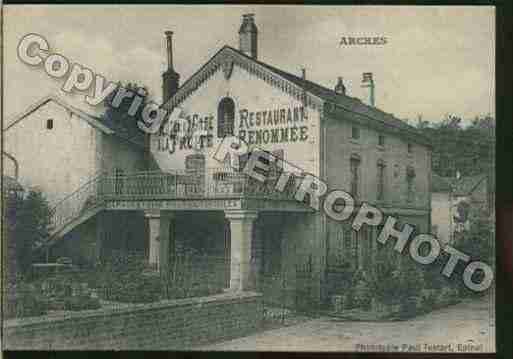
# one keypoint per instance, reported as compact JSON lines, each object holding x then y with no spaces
{"x":469,"y":150}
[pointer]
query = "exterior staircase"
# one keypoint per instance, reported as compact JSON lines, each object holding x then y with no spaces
{"x":210,"y":183}
{"x":75,"y":209}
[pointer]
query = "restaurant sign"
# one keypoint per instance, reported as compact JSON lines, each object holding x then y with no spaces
{"x":187,"y":132}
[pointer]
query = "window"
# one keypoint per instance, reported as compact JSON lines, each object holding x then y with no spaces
{"x":355,"y":175}
{"x":49,"y":124}
{"x":410,"y":148}
{"x":381,"y":140}
{"x":381,"y":181}
{"x":336,"y":255}
{"x":355,"y":132}
{"x":347,"y":240}
{"x":350,"y":246}
{"x":225,"y":117}
{"x":410,"y":175}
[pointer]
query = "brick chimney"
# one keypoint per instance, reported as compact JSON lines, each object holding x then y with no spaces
{"x":368,"y":82}
{"x":248,"y":34}
{"x":170,"y":79}
{"x":339,"y":87}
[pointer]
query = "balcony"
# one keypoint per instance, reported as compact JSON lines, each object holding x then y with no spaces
{"x":211,"y":183}
{"x":209,"y":189}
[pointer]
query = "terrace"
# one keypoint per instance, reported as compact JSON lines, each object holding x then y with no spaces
{"x":206,"y":189}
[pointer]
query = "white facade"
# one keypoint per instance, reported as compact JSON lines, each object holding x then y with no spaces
{"x":60,"y":156}
{"x":58,"y":160}
{"x":250,"y":93}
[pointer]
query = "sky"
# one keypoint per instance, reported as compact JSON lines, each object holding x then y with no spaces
{"x":437,"y":60}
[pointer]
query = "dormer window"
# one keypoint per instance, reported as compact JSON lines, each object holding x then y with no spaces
{"x":354,"y":166}
{"x":49,"y":124}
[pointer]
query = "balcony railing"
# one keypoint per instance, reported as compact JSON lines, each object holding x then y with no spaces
{"x":207,"y":183}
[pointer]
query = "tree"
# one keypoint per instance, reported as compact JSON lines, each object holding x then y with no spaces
{"x":31,"y":219}
{"x":468,"y":150}
{"x":477,"y":241}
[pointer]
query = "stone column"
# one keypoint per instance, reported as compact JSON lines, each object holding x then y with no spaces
{"x":153,"y":218}
{"x":159,"y":228}
{"x":165,"y":233}
{"x":241,"y":228}
{"x":100,"y":235}
{"x":257,"y":255}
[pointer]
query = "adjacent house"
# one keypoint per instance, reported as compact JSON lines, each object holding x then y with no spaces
{"x":453,"y":198}
{"x":469,"y":192}
{"x":62,"y":151}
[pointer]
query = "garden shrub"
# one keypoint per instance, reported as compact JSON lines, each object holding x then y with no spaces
{"x":447,"y":296}
{"x":193,"y":274}
{"x":429,"y":299}
{"x":384,"y":279}
{"x":122,"y":278}
{"x":28,"y":302}
{"x":66,"y":291}
{"x":362,"y":294}
{"x":130,"y":287}
{"x":408,"y":307}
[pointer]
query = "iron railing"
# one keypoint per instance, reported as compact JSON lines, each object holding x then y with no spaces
{"x":206,"y":183}
{"x":76,"y":203}
{"x":178,"y":184}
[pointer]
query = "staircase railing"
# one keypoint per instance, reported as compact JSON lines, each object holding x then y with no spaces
{"x":76,"y":203}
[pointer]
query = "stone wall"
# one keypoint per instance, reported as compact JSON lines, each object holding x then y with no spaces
{"x":178,"y":324}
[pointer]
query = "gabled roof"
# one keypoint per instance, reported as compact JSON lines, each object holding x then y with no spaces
{"x":107,"y":127}
{"x":345,"y":101}
{"x":339,"y":101}
{"x":92,"y":120}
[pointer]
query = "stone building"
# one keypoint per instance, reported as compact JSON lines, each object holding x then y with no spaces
{"x":261,"y":241}
{"x":452,"y":200}
{"x":349,"y":144}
